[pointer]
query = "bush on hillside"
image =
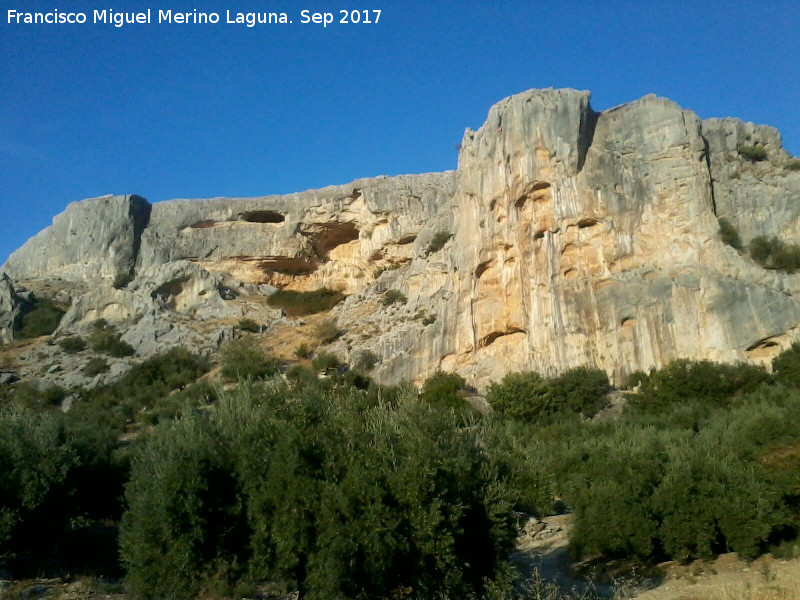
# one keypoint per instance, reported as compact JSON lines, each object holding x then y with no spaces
{"x":249,"y":325}
{"x":581,"y":390}
{"x":771,"y":253}
{"x":95,"y":366}
{"x":106,"y":340}
{"x":297,"y":304}
{"x":366,"y":360}
{"x":392,"y":296}
{"x":327,"y":331}
{"x":42,"y":319}
{"x":729,"y":234}
{"x":528,"y":397}
{"x":35,"y":460}
{"x":752,"y":153}
{"x":320,"y":493}
{"x":444,"y":390}
{"x":438,"y":241}
{"x":246,"y":359}
{"x":325,"y":361}
{"x":702,"y":380}
{"x":786,"y":366}
{"x":72,"y":345}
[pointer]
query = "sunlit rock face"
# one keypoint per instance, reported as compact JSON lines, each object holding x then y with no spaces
{"x":578,"y":238}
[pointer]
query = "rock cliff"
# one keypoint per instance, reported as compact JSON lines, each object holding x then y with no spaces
{"x":576,"y":238}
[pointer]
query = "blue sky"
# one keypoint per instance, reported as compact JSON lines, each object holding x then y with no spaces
{"x":170,"y":111}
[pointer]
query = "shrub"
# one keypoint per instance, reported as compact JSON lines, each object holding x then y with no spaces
{"x":703,"y":380}
{"x":249,"y":325}
{"x":429,"y":320}
{"x":521,"y":396}
{"x":302,"y":351}
{"x":580,"y":390}
{"x":53,"y":395}
{"x":528,"y":397}
{"x":327,"y":331}
{"x":301,"y":375}
{"x":318,"y":492}
{"x":106,"y":340}
{"x":392,"y":296}
{"x":95,"y":366}
{"x":141,"y":388}
{"x":72,"y":345}
{"x":771,"y":253}
{"x":438,"y":241}
{"x":366,"y":360}
{"x":325,"y":361}
{"x":42,"y":319}
{"x":752,"y":153}
{"x":34,"y":463}
{"x":297,"y":304}
{"x":443,"y":389}
{"x":729,"y":234}
{"x":792,"y":165}
{"x":169,"y":406}
{"x":786,"y":366}
{"x":245,"y":359}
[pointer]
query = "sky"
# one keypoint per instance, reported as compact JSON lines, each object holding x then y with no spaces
{"x":197,"y":111}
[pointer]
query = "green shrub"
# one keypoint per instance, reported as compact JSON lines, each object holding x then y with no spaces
{"x":141,"y":388}
{"x":34,"y":463}
{"x":105,"y":339}
{"x":195,"y":395}
{"x":530,"y":398}
{"x":429,"y":320}
{"x":72,"y":345}
{"x":42,"y":319}
{"x":392,"y":296}
{"x":729,"y":234}
{"x":327,"y":331}
{"x":366,"y":360}
{"x":444,"y":389}
{"x":752,"y":153}
{"x":302,"y":351}
{"x":703,"y":380}
{"x":319,"y":493}
{"x":95,"y":366}
{"x":300,"y":375}
{"x":438,"y":241}
{"x":786,"y":366}
{"x":521,"y":396}
{"x":580,"y":390}
{"x":325,"y":361}
{"x":245,"y":359}
{"x":771,"y":253}
{"x":53,"y":395}
{"x":792,"y":165}
{"x":249,"y":325}
{"x":297,"y":304}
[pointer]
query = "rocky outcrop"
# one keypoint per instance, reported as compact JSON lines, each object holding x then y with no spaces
{"x":94,"y":239}
{"x":577,"y":238}
{"x":12,"y":307}
{"x":758,"y":197}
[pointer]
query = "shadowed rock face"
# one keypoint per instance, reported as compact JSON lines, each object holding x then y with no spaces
{"x":578,"y":238}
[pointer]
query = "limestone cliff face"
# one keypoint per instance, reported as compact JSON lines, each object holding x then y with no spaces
{"x":578,"y":238}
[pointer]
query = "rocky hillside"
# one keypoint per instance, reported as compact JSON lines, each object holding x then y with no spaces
{"x":566,"y":237}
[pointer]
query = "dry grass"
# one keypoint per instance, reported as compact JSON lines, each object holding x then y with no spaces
{"x":765,"y":579}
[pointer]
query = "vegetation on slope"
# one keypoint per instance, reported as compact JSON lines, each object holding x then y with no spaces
{"x":339,"y":488}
